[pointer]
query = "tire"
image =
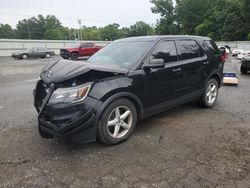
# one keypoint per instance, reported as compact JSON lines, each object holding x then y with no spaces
{"x":243,"y":70}
{"x":24,"y":56}
{"x":48,"y":55}
{"x":210,"y":95}
{"x":65,"y":57}
{"x":122,"y":117}
{"x":44,"y":134}
{"x":74,"y":56}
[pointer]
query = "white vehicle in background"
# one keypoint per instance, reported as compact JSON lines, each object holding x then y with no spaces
{"x":236,"y":52}
{"x":227,"y":50}
{"x":241,"y":52}
{"x":244,"y":54}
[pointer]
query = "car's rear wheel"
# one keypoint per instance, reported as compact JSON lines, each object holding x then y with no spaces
{"x":210,"y":95}
{"x":117,"y":122}
{"x":48,"y":55}
{"x":243,"y":70}
{"x":24,"y":56}
{"x":74,"y":56}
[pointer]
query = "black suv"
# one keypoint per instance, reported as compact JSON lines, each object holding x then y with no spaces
{"x":128,"y":80}
{"x":245,"y":65}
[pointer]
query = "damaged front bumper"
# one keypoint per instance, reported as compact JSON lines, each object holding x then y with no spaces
{"x":74,"y":122}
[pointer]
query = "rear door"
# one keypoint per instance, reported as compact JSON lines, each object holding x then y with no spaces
{"x":83,"y":49}
{"x":34,"y":52}
{"x":195,"y":64}
{"x":164,"y":84}
{"x":42,"y":52}
{"x":91,"y":49}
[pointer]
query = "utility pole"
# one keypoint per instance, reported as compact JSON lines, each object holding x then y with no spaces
{"x":80,"y":29}
{"x":75,"y":33}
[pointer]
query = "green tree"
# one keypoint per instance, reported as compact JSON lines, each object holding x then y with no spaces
{"x":248,"y":36}
{"x":6,"y":31}
{"x":53,"y":34}
{"x":191,"y":13}
{"x":168,"y":23}
{"x":36,"y":27}
{"x":245,"y":7}
{"x":91,"y":33}
{"x":141,"y":29}
{"x":223,"y":25}
{"x":110,"y":32}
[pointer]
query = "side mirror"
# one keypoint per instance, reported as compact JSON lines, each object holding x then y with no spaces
{"x":155,"y":64}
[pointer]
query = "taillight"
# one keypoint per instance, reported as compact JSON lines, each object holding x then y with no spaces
{"x":223,"y":58}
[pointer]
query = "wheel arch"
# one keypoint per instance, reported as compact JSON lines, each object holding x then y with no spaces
{"x":130,"y":96}
{"x":217,"y":77}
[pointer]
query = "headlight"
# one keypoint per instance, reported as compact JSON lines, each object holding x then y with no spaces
{"x":69,"y":95}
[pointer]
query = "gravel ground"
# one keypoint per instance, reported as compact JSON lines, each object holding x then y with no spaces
{"x":185,"y":147}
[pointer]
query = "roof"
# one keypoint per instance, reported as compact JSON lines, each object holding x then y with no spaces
{"x":159,"y":37}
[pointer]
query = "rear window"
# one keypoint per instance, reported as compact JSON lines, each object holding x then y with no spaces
{"x":188,"y":49}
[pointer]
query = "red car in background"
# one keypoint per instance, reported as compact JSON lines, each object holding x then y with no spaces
{"x":85,"y":49}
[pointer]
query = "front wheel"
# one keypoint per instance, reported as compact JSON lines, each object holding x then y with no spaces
{"x":117,"y":122}
{"x":24,"y":56}
{"x":74,"y":56}
{"x":210,"y":95}
{"x":48,"y":55}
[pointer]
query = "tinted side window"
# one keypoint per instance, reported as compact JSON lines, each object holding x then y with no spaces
{"x":188,"y":49}
{"x":83,"y":45}
{"x":90,"y":45}
{"x":210,"y":46}
{"x":165,"y":50}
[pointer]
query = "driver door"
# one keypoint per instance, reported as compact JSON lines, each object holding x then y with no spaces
{"x":164,"y":84}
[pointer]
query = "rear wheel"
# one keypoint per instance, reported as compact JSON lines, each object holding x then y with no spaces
{"x":74,"y":56}
{"x":117,"y":122}
{"x":210,"y":95}
{"x":243,"y":70}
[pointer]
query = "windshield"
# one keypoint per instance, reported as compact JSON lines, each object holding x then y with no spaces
{"x":121,"y":54}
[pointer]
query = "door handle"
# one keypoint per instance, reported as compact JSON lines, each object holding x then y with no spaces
{"x":177,"y":70}
{"x":206,"y":63}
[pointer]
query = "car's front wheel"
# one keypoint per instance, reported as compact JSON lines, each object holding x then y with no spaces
{"x":117,"y":122}
{"x":24,"y":56}
{"x":48,"y":55}
{"x":210,"y":95}
{"x":74,"y":56}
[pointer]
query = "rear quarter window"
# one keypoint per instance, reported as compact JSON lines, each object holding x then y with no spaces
{"x":211,"y":47}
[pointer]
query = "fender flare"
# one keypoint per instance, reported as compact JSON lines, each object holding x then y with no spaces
{"x":214,"y":73}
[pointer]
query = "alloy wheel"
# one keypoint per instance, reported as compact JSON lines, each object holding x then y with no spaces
{"x":212,"y":92}
{"x":119,"y":122}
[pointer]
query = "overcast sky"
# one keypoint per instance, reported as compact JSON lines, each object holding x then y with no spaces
{"x":92,"y":12}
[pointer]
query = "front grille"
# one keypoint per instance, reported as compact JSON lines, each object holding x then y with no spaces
{"x":42,"y":90}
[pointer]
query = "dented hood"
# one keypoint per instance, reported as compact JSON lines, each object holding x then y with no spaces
{"x":62,"y":70}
